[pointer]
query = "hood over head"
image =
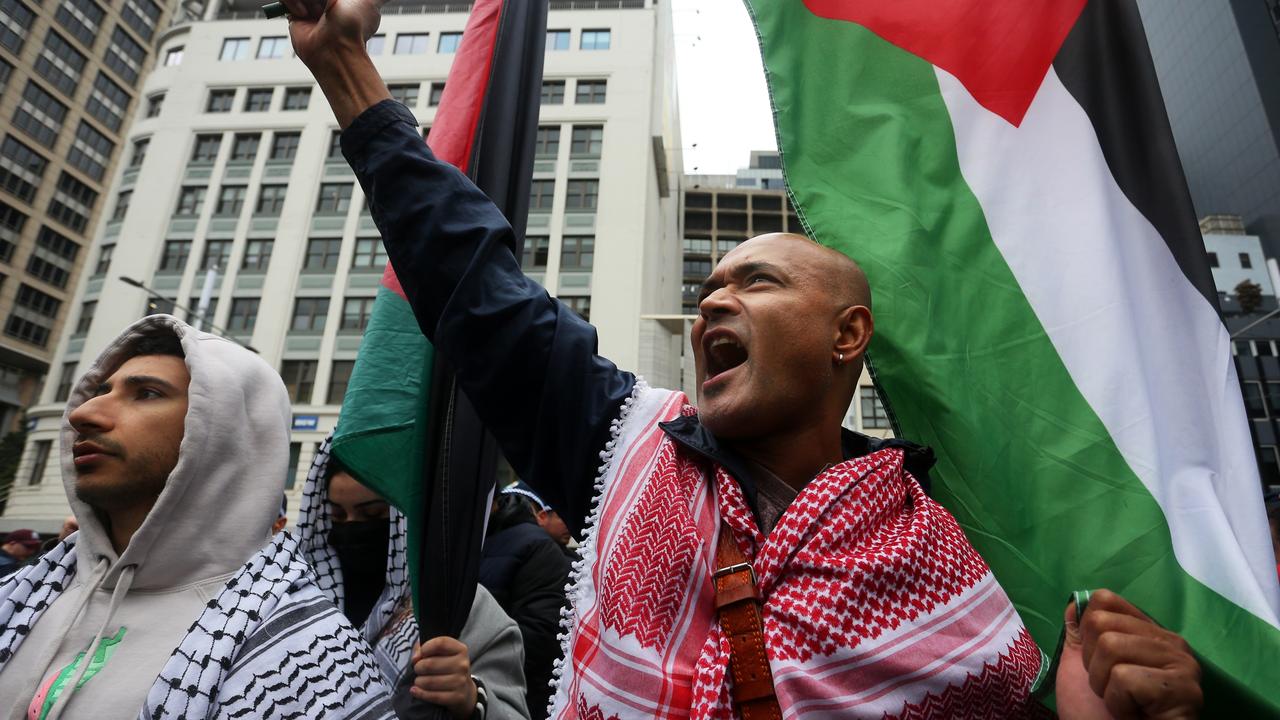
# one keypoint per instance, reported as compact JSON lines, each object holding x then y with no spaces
{"x":219,"y":502}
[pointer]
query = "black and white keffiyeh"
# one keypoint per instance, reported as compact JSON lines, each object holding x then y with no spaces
{"x":390,"y":628}
{"x":270,"y":645}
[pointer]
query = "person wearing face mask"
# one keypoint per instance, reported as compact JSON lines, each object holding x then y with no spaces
{"x":355,"y":540}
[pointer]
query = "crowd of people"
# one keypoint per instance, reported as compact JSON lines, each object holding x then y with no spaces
{"x":744,"y":558}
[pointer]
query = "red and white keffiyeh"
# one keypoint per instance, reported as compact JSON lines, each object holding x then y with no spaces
{"x":875,"y":603}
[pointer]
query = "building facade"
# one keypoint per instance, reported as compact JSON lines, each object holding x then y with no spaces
{"x":1218,"y":62}
{"x":70,"y":79}
{"x":233,"y":176}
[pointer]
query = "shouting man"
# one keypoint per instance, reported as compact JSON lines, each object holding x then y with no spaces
{"x":746,"y":556}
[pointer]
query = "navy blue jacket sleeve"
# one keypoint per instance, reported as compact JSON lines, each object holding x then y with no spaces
{"x":528,"y":363}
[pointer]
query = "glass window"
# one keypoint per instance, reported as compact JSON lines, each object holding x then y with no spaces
{"x":173,"y":56}
{"x":534,"y":256}
{"x":291,"y":475}
{"x":590,"y":92}
{"x":220,"y":101}
{"x":65,"y":382}
{"x":335,"y":146}
{"x":40,"y":459}
{"x":190,"y":199}
{"x":206,"y":148}
{"x":449,"y":42}
{"x":122,"y":205}
{"x":309,"y":314}
{"x":245,"y":147}
{"x":580,"y":305}
{"x":87,"y":309}
{"x":244,"y":315}
{"x":369,"y":254}
{"x":107,"y":102}
{"x":284,"y":145}
{"x":338,"y":380}
{"x":1253,"y":402}
{"x":156,"y":102}
{"x":234,"y":49}
{"x":257,"y":254}
{"x":22,"y":169}
{"x":697,"y":246}
{"x":141,"y":16}
{"x":125,"y":56}
{"x":1213,"y":259}
{"x":104,"y":260}
{"x":39,"y":115}
{"x":270,"y":200}
{"x":60,"y":64}
{"x":1246,"y":262}
{"x":541,"y":195}
{"x":299,"y":379}
{"x":583,"y":195}
{"x":552,"y":92}
{"x":557,"y":40}
{"x":273,"y":47}
{"x":697,"y":269}
{"x":410,"y":44}
{"x":437,"y":94}
{"x":28,"y":328}
{"x":376,"y":44}
{"x":406,"y":93}
{"x":53,"y":258}
{"x":72,"y":202}
{"x":82,"y":18}
{"x":1269,"y":464}
{"x":577,"y":253}
{"x":11,"y":223}
{"x":355,"y":314}
{"x":230,"y":200}
{"x":174,"y":258}
{"x":297,"y":98}
{"x":15,"y":24}
{"x":334,"y":199}
{"x":258,"y":99}
{"x":587,"y":140}
{"x":547,"y":142}
{"x":595,"y":40}
{"x":322,"y":254}
{"x":90,"y":151}
{"x":6,"y":70}
{"x":193,"y":313}
{"x":873,"y":414}
{"x":216,"y":254}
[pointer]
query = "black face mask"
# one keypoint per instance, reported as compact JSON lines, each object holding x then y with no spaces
{"x":362,"y":553}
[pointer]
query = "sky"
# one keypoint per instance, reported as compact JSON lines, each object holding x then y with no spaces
{"x":724,"y":105}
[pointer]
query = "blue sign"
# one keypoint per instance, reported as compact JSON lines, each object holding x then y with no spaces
{"x":306,"y":422}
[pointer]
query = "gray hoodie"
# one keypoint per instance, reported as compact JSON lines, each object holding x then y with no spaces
{"x":213,"y":515}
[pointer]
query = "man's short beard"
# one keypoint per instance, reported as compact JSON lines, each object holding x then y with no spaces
{"x":142,"y":482}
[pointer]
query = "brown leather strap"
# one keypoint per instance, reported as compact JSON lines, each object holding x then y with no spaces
{"x":738,"y":604}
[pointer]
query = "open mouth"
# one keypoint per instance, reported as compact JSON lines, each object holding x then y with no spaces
{"x":724,"y":353}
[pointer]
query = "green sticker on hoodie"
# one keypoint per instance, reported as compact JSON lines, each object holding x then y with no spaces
{"x":51,"y":689}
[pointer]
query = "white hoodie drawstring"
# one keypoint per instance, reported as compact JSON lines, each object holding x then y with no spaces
{"x":123,"y":583}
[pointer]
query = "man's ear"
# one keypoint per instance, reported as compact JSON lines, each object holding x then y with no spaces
{"x":853,"y":332}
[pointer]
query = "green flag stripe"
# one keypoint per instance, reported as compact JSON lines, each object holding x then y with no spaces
{"x":1024,"y":462}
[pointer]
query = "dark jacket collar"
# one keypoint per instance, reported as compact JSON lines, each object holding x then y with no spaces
{"x":689,"y":432}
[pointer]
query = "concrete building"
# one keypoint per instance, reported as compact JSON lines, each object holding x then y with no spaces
{"x":1234,"y":257}
{"x":70,"y":75}
{"x":233,"y":163}
{"x":721,"y":211}
{"x":1218,"y":62}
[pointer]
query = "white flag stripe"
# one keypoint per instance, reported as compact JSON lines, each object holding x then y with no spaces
{"x":1145,"y":349}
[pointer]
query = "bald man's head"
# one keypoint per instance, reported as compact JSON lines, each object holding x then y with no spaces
{"x":782,"y":329}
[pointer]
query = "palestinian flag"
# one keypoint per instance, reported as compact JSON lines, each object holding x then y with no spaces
{"x":1045,"y":317}
{"x":405,"y":429}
